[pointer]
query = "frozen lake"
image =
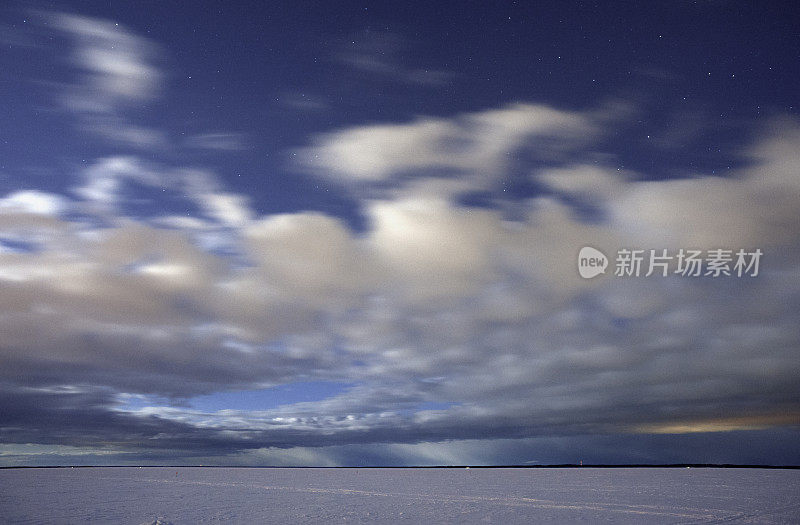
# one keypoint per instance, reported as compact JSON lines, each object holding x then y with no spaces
{"x":298,"y":495}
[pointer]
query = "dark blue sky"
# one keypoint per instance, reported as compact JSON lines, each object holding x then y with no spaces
{"x":342,"y":230}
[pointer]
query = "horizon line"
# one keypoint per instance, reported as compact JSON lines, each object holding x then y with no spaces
{"x":557,"y":465}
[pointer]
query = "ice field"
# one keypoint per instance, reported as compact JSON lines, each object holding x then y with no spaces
{"x":300,"y":495}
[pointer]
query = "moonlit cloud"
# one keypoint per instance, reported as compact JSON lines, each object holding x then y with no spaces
{"x":115,"y":61}
{"x":33,"y":201}
{"x":229,"y":209}
{"x":104,"y":179}
{"x":474,"y":145}
{"x":115,"y":73}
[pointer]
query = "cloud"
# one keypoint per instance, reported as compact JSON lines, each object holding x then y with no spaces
{"x":721,"y":425}
{"x":430,"y":248}
{"x":120,"y":131}
{"x":381,"y":55}
{"x":111,"y":182}
{"x":115,"y":62}
{"x":229,"y":209}
{"x":217,"y":141}
{"x":433,"y":304}
{"x":476,"y":146}
{"x":309,"y":253}
{"x":33,"y":201}
{"x":103,"y":180}
{"x":588,"y":182}
{"x":113,"y":76}
{"x":755,"y":207}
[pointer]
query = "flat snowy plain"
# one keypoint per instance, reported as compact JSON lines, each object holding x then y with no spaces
{"x":301,"y":495}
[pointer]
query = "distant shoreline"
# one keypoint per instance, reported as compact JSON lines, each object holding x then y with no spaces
{"x":613,"y":466}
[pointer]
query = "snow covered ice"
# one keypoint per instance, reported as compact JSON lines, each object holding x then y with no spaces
{"x":374,"y":495}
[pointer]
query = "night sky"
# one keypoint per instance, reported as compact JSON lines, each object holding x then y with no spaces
{"x":339,"y":233}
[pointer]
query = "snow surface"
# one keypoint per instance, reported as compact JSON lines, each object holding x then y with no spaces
{"x":300,"y":495}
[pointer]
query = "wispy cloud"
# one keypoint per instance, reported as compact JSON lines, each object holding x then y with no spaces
{"x":474,"y":150}
{"x":116,"y":64}
{"x":386,"y":56}
{"x":217,"y":141}
{"x":112,"y":75}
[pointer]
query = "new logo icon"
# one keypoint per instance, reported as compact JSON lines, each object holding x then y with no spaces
{"x":591,"y":262}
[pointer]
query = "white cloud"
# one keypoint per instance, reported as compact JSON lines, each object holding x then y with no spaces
{"x":310,"y":256}
{"x":34,"y":201}
{"x":103,"y":180}
{"x":590,"y":182}
{"x":110,"y":182}
{"x":430,"y":248}
{"x":115,"y":75}
{"x":229,"y":209}
{"x":115,"y":60}
{"x":473,"y":145}
{"x":756,"y":207}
